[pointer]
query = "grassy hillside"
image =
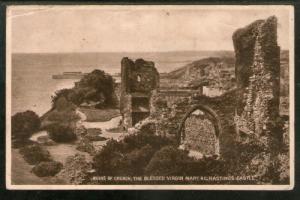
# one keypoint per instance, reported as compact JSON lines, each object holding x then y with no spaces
{"x":220,"y":62}
{"x":219,"y":71}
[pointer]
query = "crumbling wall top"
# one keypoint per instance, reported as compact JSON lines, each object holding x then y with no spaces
{"x":244,"y":41}
{"x":139,"y":76}
{"x":258,"y":77}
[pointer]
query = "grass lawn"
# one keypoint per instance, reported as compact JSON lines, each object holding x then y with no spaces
{"x":21,"y":171}
{"x":99,"y":115}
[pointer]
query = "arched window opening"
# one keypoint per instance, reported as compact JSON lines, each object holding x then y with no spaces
{"x":138,"y":78}
{"x":199,"y":131}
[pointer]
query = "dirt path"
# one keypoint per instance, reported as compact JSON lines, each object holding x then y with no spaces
{"x":21,"y":170}
{"x":105,"y":126}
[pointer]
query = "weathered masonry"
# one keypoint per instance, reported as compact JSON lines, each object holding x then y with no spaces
{"x":248,"y":112}
{"x":211,"y":125}
{"x":138,"y":80}
{"x":258,"y":78}
{"x":199,"y":130}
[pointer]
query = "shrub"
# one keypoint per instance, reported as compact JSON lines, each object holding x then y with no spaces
{"x":207,"y":166}
{"x":135,"y":162}
{"x":144,"y":138}
{"x":35,"y":153}
{"x":105,"y":162}
{"x":62,"y":104}
{"x":168,"y":161}
{"x":138,"y":141}
{"x":93,"y":134}
{"x":49,"y":168}
{"x":91,"y":137}
{"x":61,"y":133}
{"x":148,"y":154}
{"x":173,"y":161}
{"x":65,"y":93}
{"x":85,"y":146}
{"x":241,"y":155}
{"x":24,"y":124}
{"x":116,"y":163}
{"x":129,"y":156}
{"x":17,"y":143}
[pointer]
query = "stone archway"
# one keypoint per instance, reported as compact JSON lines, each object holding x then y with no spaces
{"x":199,"y":131}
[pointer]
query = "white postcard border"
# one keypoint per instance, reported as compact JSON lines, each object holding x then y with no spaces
{"x":10,"y":186}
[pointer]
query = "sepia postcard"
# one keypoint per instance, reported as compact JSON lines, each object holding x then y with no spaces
{"x":179,"y":97}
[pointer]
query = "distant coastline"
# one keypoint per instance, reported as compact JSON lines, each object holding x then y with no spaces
{"x":46,"y":65}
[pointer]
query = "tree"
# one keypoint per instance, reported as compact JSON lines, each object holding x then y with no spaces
{"x":100,"y":84}
{"x":66,"y":93}
{"x":62,"y":104}
{"x":24,"y":124}
{"x":96,"y":86}
{"x":169,"y":160}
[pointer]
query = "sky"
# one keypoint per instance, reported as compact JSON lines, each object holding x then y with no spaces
{"x":58,"y":29}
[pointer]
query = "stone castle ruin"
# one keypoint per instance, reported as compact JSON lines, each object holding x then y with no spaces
{"x":138,"y":80}
{"x":210,"y":125}
{"x":258,"y":78}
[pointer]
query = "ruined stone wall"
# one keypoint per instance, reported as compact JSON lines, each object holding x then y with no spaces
{"x":251,"y":108}
{"x":144,"y":77}
{"x":168,"y":110}
{"x":126,"y":111}
{"x":169,"y":116}
{"x":257,"y":113}
{"x":258,"y":77}
{"x":200,"y":135}
{"x":138,"y":76}
{"x":224,"y":108}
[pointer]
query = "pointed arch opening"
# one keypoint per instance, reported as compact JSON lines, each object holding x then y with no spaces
{"x":199,"y":131}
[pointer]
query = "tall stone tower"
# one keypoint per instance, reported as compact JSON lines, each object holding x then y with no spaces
{"x":138,"y":80}
{"x":258,"y":78}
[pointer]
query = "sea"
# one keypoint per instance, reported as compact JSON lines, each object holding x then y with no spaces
{"x":32,"y":83}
